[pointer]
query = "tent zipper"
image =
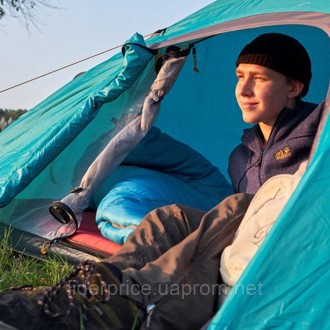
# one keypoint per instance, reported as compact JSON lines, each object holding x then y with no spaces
{"x":45,"y":248}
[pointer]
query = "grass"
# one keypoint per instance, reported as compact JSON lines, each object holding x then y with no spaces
{"x":17,"y":269}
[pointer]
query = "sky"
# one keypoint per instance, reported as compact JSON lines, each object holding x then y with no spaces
{"x":73,"y":31}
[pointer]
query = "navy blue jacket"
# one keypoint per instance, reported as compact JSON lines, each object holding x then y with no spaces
{"x":289,"y":144}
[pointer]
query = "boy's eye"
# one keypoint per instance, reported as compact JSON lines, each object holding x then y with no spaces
{"x":260,"y":78}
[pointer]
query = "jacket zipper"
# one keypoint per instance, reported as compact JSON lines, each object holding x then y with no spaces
{"x":259,"y":160}
{"x":258,"y":164}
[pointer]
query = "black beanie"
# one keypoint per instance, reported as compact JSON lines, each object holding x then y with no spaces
{"x":280,"y":53}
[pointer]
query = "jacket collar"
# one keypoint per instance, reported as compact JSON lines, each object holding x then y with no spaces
{"x":287,"y":120}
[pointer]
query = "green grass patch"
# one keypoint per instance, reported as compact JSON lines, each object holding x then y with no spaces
{"x":17,"y":269}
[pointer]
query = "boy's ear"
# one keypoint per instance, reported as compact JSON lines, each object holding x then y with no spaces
{"x":296,"y":88}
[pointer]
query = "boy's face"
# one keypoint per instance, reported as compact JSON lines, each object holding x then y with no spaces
{"x":262,"y":93}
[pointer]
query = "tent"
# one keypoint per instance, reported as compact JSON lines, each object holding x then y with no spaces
{"x":46,"y":153}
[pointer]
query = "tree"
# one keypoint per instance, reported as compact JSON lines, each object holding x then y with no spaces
{"x":7,"y":116}
{"x":23,"y":9}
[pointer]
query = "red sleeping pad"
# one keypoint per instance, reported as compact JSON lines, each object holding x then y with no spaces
{"x":89,"y":238}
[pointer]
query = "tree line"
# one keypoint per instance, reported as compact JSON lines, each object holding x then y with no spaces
{"x":7,"y":116}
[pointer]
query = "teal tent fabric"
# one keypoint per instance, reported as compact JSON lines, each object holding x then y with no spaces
{"x":62,"y":116}
{"x":230,"y":10}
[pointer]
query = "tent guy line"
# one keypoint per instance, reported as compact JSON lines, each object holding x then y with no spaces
{"x":68,"y":65}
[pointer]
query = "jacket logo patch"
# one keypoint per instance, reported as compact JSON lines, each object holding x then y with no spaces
{"x":283,"y":153}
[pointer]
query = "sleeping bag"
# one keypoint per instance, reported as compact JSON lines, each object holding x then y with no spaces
{"x":159,"y":171}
